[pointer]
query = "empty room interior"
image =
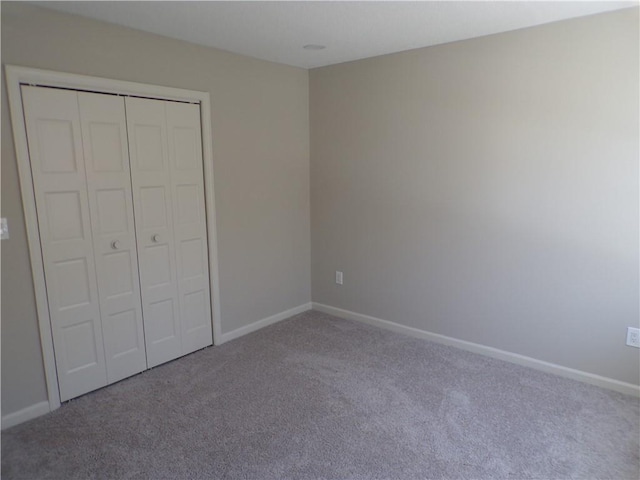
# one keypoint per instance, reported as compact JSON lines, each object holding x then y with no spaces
{"x":320,"y":240}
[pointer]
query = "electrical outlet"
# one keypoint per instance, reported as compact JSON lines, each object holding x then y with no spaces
{"x":633,"y":337}
{"x":338,"y":277}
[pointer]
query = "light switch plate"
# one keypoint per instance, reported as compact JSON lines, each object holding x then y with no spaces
{"x":4,"y":229}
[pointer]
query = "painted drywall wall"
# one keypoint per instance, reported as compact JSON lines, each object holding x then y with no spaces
{"x":487,"y":190}
{"x":261,"y":167}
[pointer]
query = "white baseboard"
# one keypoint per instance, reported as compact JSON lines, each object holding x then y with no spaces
{"x":593,"y":379}
{"x":252,"y":327}
{"x":25,"y":414}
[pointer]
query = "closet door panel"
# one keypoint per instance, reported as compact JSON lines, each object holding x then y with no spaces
{"x":190,"y":232}
{"x":104,"y":136}
{"x":55,"y":149}
{"x":152,"y":196}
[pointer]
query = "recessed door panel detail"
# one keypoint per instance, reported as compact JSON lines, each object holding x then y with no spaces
{"x":112,"y":210}
{"x":162,"y":321}
{"x":85,"y":354}
{"x":149,"y":147}
{"x":65,"y":216}
{"x":157,"y":266}
{"x":118,"y":274}
{"x":57,"y":145}
{"x":73,"y":283}
{"x":106,"y":147}
{"x":152,"y":207}
{"x":195,"y":310}
{"x":125,"y":331}
{"x":185,"y":149}
{"x":188,"y":200}
{"x":192,"y":258}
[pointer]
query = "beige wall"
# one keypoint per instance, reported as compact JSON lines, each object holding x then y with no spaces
{"x":487,"y":190}
{"x":261,"y":165}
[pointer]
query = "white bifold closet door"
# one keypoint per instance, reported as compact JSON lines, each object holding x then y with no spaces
{"x":168,"y":192}
{"x":120,"y":203}
{"x":106,"y":155}
{"x":58,"y":170}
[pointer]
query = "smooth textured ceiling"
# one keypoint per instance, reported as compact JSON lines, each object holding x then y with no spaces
{"x":277,"y":31}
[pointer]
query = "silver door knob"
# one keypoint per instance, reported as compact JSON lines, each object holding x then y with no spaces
{"x":115,"y":244}
{"x":155,"y":238}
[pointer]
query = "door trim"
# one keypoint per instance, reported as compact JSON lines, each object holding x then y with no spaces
{"x":17,"y":76}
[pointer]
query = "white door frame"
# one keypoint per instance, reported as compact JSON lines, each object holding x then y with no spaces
{"x":17,"y":76}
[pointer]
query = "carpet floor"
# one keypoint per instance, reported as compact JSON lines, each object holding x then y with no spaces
{"x":318,"y":397}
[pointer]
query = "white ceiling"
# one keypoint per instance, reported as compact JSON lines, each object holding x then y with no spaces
{"x":277,"y":31}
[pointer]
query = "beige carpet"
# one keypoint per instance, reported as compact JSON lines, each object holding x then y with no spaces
{"x":317,"y":397}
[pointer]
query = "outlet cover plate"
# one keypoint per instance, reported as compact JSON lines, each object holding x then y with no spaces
{"x":633,"y":337}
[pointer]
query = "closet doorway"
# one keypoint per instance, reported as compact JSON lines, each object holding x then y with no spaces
{"x":117,"y":188}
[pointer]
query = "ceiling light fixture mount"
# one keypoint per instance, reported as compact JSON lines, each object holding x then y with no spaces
{"x":314,"y":46}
